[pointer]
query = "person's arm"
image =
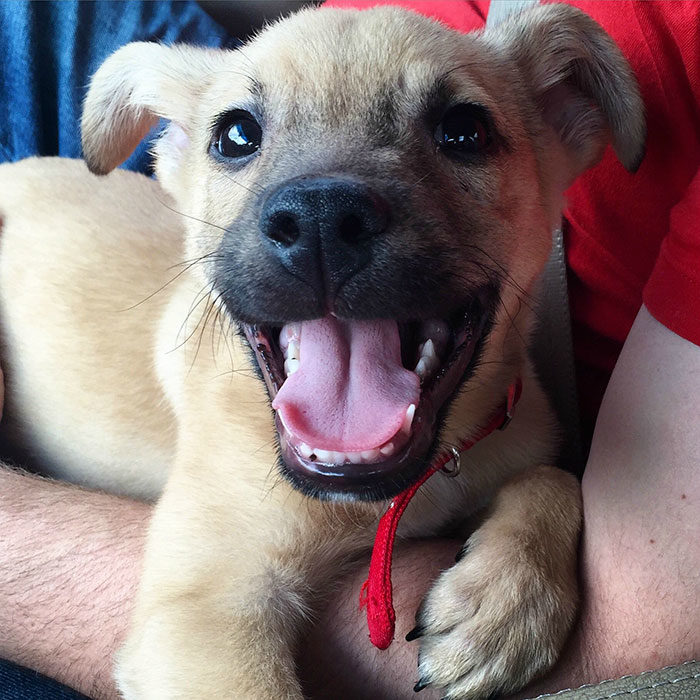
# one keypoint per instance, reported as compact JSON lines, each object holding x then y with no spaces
{"x":640,"y":555}
{"x":69,"y":565}
{"x":641,"y":490}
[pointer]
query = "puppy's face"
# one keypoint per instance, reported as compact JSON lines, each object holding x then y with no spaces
{"x":370,"y":193}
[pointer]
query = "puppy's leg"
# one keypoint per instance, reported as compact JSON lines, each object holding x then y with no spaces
{"x":228,"y":578}
{"x":500,"y":616}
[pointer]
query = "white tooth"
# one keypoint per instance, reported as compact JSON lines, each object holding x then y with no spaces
{"x":284,"y":339}
{"x":305,"y":451}
{"x":431,"y":363}
{"x":324,"y":456}
{"x":408,"y":420}
{"x":421,"y":347}
{"x":436,"y":329}
{"x":354,"y":457}
{"x":421,"y":368}
{"x":370,"y":455}
{"x":293,"y":349}
{"x":388,"y":449}
{"x":290,"y":366}
{"x":428,"y":350}
{"x":288,"y":332}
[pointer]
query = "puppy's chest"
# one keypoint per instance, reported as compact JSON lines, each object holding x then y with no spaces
{"x":443,"y":506}
{"x":447,"y":504}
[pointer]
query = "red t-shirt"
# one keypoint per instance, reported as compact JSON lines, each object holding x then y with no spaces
{"x":629,"y":238}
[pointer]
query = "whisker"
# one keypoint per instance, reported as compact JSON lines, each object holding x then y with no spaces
{"x":513,"y":320}
{"x":259,"y":189}
{"x":189,"y":265}
{"x":221,"y":315}
{"x":193,"y":261}
{"x":194,"y":218}
{"x":199,"y":298}
{"x":420,"y":179}
{"x":202,"y":325}
{"x":505,"y":275}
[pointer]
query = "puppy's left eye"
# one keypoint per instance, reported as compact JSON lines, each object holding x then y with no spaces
{"x":239,"y":135}
{"x":463,"y":130}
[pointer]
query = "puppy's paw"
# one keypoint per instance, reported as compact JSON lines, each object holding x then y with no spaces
{"x":494,"y":621}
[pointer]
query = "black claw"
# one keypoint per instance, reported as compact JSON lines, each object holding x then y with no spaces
{"x":415,"y":633}
{"x":420,"y":685}
{"x":463,"y":551}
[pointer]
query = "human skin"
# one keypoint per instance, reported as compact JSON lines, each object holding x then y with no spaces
{"x":71,"y":558}
{"x":69,"y":565}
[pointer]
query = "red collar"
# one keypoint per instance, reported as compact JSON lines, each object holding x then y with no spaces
{"x":376,"y":591}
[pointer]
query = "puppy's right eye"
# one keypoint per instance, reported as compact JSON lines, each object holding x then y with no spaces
{"x":463,"y":130}
{"x":239,"y":135}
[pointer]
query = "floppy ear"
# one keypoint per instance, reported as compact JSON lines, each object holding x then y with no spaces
{"x":582,"y":83}
{"x":132,"y":89}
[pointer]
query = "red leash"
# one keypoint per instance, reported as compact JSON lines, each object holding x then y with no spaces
{"x":376,"y":591}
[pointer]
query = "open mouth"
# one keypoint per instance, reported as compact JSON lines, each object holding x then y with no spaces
{"x":358,"y":402}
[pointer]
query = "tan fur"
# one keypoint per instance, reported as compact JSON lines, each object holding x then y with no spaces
{"x":124,"y":372}
{"x":66,"y":266}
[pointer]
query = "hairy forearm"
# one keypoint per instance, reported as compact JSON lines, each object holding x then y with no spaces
{"x":642,"y":495}
{"x":69,"y":564}
{"x":640,"y":553}
{"x":338,"y":662}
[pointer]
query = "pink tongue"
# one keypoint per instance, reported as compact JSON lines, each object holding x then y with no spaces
{"x":350,"y":392}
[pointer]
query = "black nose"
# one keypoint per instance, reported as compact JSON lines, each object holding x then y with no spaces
{"x":323,"y":229}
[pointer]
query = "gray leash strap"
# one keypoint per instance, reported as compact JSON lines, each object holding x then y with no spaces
{"x":552,"y":353}
{"x":500,"y":9}
{"x":552,"y":350}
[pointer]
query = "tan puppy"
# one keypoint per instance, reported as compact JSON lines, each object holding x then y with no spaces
{"x":345,"y":188}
